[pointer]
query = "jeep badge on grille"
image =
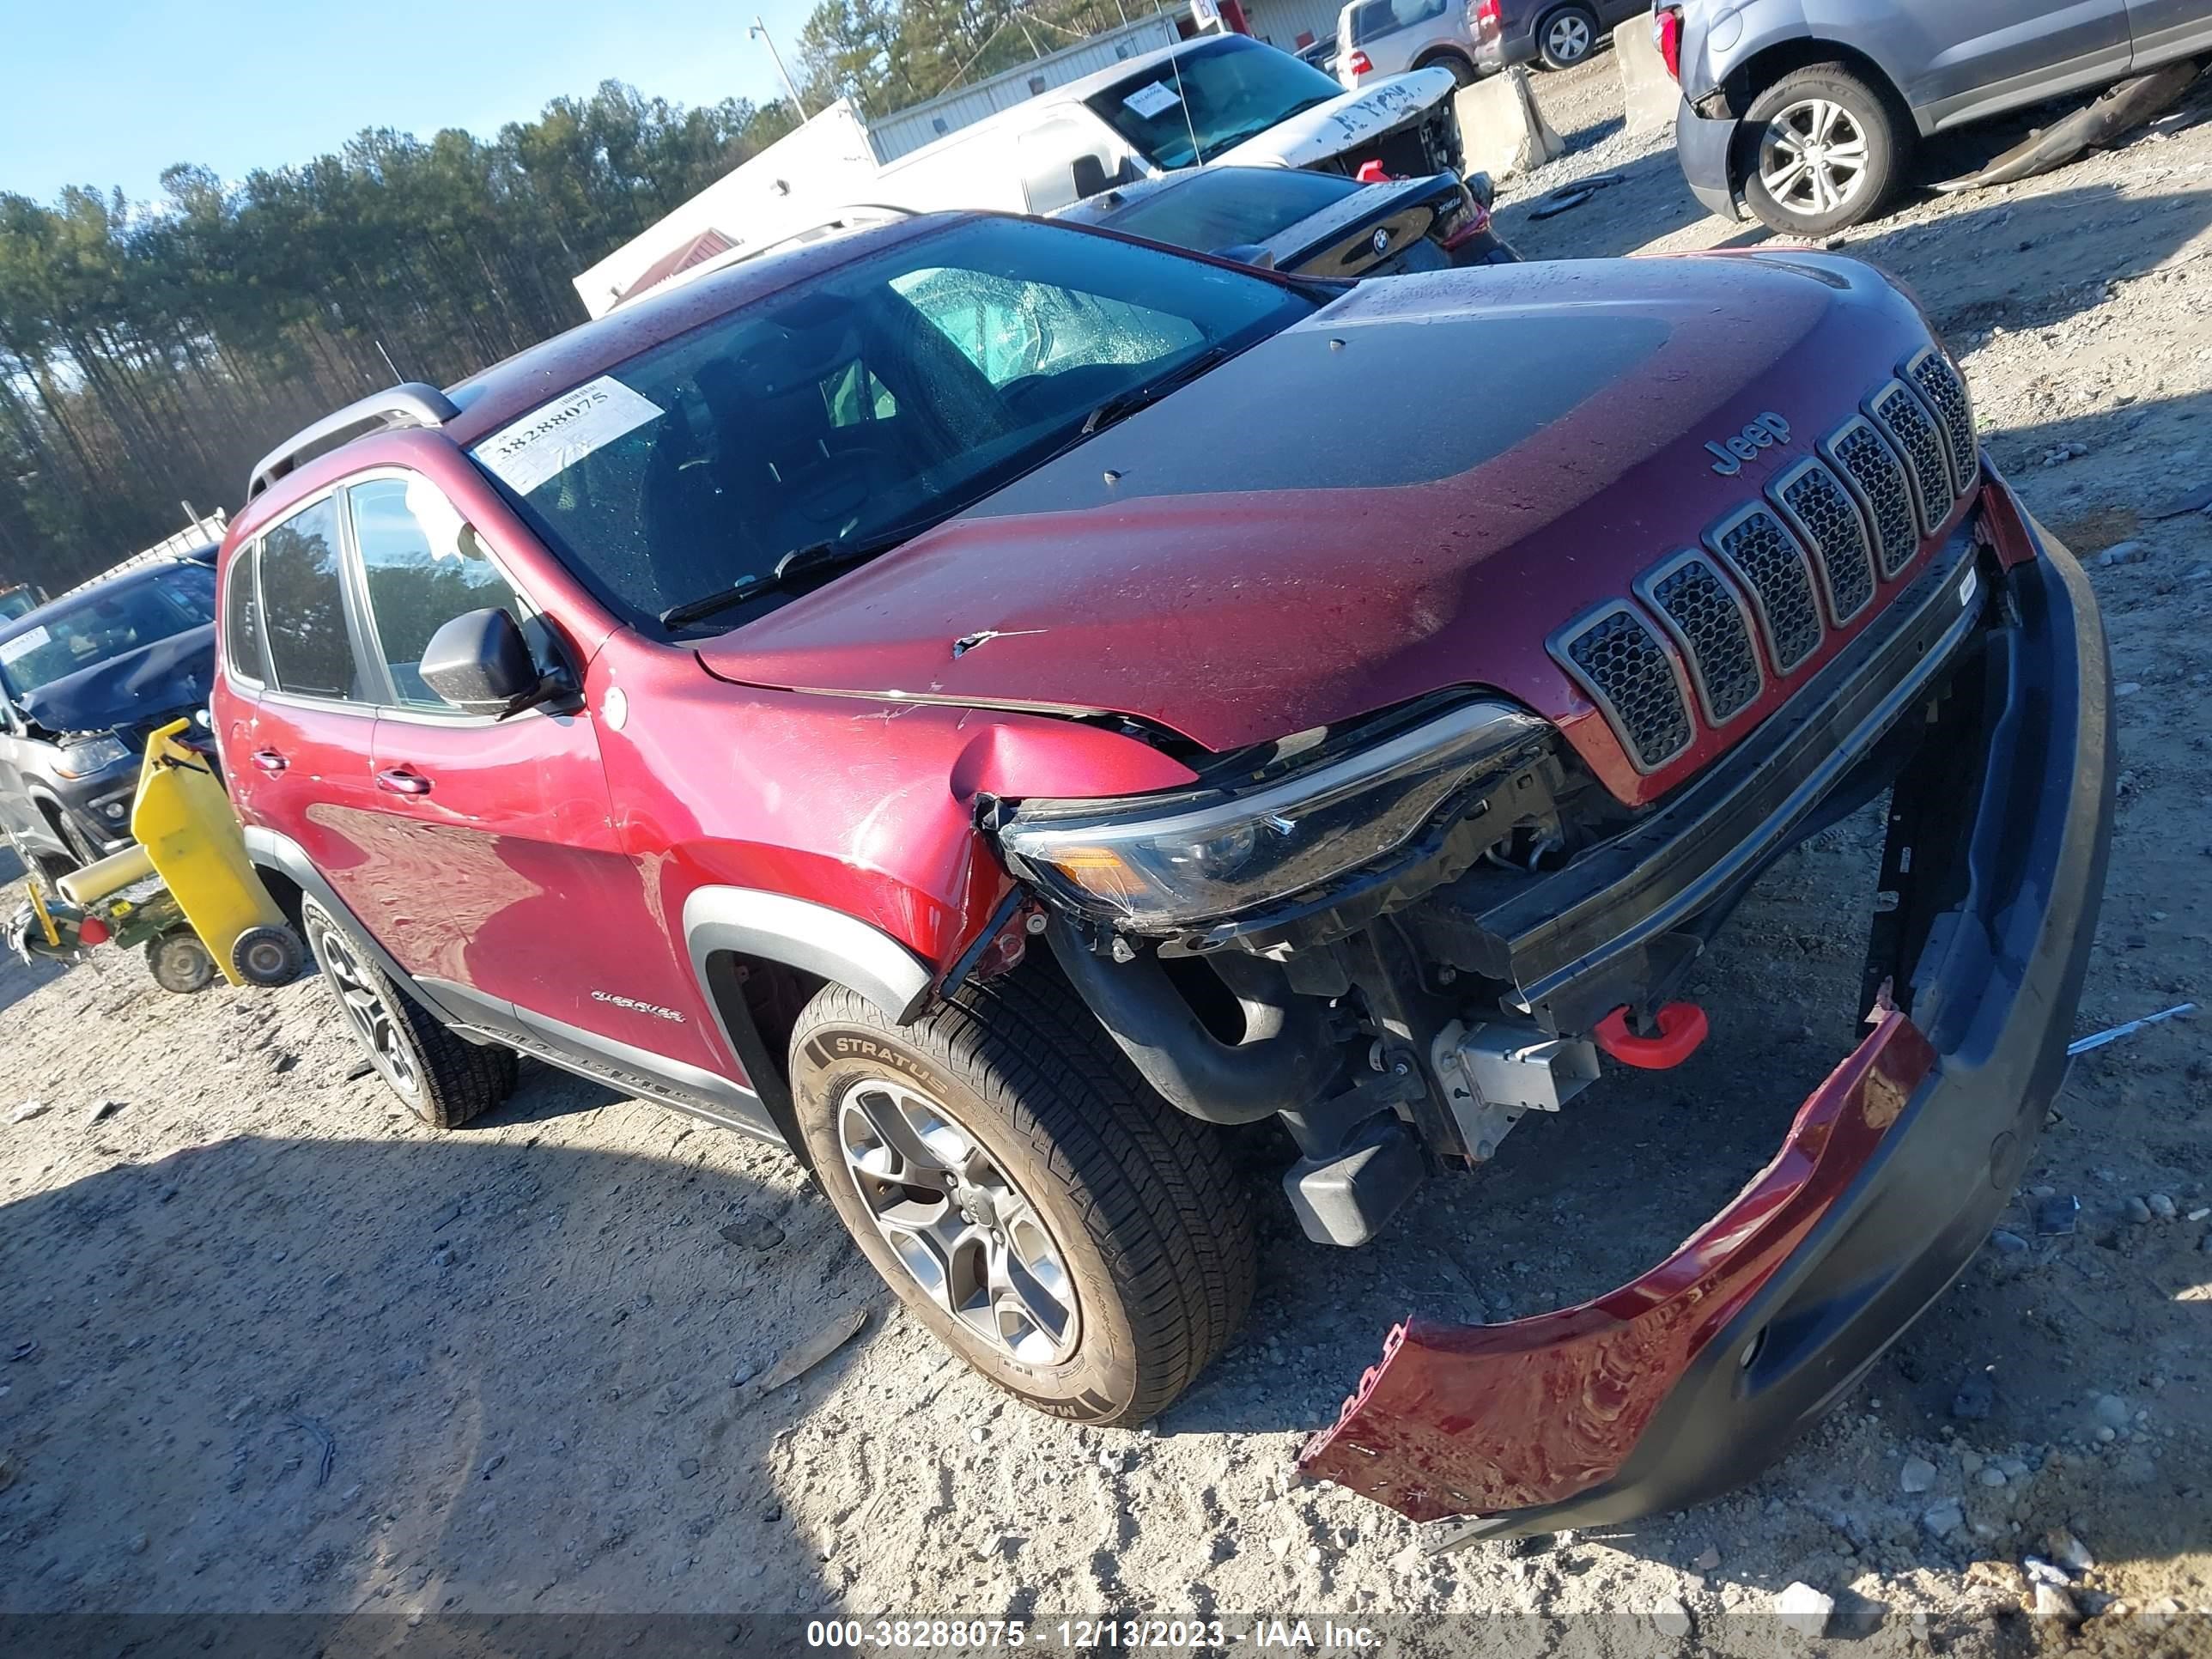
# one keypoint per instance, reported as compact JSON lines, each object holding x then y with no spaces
{"x":1763,"y":433}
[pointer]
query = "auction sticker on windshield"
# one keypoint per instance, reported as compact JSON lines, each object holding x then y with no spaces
{"x":23,"y":644}
{"x":1150,"y":99}
{"x":554,"y":436}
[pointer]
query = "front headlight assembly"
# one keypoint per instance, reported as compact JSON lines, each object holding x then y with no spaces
{"x":1156,"y":863}
{"x":89,"y":755}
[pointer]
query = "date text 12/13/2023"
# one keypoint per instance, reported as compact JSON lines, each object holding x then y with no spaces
{"x":1081,"y":1635}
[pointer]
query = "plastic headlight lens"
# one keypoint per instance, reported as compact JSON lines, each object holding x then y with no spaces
{"x":82,"y":760}
{"x":1165,"y":862}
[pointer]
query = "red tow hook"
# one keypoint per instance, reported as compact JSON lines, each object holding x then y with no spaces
{"x":1681,"y":1028}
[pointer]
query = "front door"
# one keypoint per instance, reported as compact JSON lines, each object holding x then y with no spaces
{"x":1969,"y":59}
{"x":2166,"y":29}
{"x":492,"y":871}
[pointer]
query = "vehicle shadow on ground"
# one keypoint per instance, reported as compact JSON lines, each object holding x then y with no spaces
{"x":1649,"y":201}
{"x":2032,"y":260}
{"x":313,"y":1370}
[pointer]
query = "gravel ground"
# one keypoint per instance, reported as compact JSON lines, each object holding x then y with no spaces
{"x":273,"y":1347}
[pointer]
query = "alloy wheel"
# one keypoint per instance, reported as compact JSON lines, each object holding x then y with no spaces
{"x":1567,"y":38}
{"x":969,"y":1236}
{"x":369,"y":1013}
{"x":1813,"y":157}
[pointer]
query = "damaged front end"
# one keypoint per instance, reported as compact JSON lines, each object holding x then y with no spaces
{"x":1401,"y":983}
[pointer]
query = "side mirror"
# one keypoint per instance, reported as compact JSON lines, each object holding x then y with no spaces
{"x":480,"y":663}
{"x":1479,"y":186}
{"x":1088,"y":174}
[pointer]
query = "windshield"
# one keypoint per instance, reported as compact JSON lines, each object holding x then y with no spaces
{"x":75,"y":635}
{"x":866,"y":403}
{"x":17,"y":602}
{"x":1198,"y":104}
{"x":1231,"y":207}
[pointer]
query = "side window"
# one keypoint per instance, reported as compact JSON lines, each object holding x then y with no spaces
{"x":424,"y":567}
{"x":303,"y":603}
{"x":241,"y":618}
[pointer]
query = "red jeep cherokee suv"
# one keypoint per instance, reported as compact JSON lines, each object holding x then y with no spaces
{"x":986,"y":702}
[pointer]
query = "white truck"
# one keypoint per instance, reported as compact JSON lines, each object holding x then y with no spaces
{"x":1218,"y":99}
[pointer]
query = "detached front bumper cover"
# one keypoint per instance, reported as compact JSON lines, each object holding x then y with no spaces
{"x":1694,"y":1376}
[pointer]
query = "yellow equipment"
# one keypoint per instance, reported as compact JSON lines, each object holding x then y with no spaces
{"x":184,"y":824}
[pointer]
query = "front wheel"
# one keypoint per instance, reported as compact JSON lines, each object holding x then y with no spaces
{"x":1822,"y":150}
{"x":1565,"y":37}
{"x":1060,"y":1226}
{"x":445,"y":1080}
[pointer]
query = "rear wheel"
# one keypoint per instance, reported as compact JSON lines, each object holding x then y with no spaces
{"x":1566,"y":36}
{"x":445,"y":1080}
{"x":1462,"y":70}
{"x":1060,"y":1226}
{"x":1822,"y":150}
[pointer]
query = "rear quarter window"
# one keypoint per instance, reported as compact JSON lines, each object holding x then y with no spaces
{"x":241,"y":618}
{"x":303,"y":605}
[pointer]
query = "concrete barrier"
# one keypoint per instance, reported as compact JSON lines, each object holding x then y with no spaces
{"x":1648,"y":90}
{"x":1500,"y":128}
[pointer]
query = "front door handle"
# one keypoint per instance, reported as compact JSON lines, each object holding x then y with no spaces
{"x":270,"y":760}
{"x":402,"y":781}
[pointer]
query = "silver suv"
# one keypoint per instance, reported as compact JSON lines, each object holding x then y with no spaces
{"x":1470,"y":38}
{"x":1807,"y":112}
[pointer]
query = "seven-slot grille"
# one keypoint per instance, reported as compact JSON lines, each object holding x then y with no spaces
{"x":1944,"y":391}
{"x":1784,"y":569}
{"x":1765,"y":556}
{"x":1906,"y":421}
{"x":1621,"y":664}
{"x":1820,"y":510}
{"x":1865,"y":457}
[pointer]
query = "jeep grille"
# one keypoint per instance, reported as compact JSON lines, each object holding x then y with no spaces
{"x":1906,"y":421}
{"x":1621,"y":664}
{"x":1711,"y":630}
{"x":1766,"y":558}
{"x":1932,"y":375}
{"x":1821,"y":511}
{"x":1864,"y":457}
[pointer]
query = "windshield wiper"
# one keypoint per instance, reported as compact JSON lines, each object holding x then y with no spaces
{"x":817,"y":558}
{"x":1123,"y":405}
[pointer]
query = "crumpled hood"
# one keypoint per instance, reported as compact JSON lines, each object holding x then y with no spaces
{"x":1409,"y":490}
{"x":123,"y":691}
{"x":1314,"y":135}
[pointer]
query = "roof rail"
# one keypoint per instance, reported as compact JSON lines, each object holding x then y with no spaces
{"x":413,"y":404}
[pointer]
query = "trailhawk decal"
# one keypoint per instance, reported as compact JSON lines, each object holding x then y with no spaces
{"x":554,"y":436}
{"x":637,"y":1006}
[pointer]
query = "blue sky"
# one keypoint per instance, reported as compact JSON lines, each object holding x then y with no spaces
{"x":112,"y":92}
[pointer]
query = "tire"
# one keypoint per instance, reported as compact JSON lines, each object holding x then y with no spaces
{"x":445,"y":1080}
{"x":1850,"y":175}
{"x":268,"y":957}
{"x":1136,"y":1228}
{"x":1566,"y":36}
{"x":1462,"y":72}
{"x":179,"y":962}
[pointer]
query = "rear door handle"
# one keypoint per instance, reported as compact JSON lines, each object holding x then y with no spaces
{"x":402,"y":781}
{"x":269,"y":760}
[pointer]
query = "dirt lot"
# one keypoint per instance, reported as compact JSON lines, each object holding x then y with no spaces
{"x":267,"y":1345}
